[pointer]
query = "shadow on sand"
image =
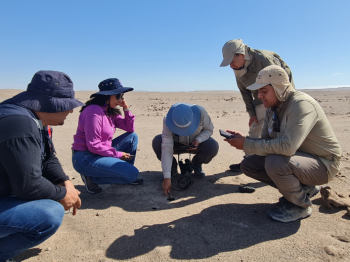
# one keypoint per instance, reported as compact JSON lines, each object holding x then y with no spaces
{"x":216,"y":229}
{"x":150,"y":196}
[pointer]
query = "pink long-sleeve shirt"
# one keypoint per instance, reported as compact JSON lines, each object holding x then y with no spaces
{"x":95,"y":130}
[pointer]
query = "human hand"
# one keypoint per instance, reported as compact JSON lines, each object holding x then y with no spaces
{"x":166,"y":185}
{"x":236,"y":134}
{"x":126,"y":156}
{"x":236,"y":142}
{"x":122,"y":103}
{"x":72,"y":198}
{"x":195,"y":144}
{"x":253,"y":119}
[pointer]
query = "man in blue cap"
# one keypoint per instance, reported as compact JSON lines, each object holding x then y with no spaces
{"x":185,"y":125}
{"x":34,"y":190}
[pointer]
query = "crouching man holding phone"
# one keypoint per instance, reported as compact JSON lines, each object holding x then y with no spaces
{"x":187,"y":128}
{"x":297,"y":151}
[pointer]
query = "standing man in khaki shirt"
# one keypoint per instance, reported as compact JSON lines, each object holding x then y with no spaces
{"x":297,"y":149}
{"x":246,"y":63}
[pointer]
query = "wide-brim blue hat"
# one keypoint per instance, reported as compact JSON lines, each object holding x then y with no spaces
{"x":183,"y":119}
{"x":50,"y":92}
{"x":110,"y":87}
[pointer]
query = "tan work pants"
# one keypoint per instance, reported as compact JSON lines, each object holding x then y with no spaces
{"x":287,"y":174}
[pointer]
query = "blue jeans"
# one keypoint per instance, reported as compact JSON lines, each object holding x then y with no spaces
{"x":25,"y":224}
{"x":109,"y":170}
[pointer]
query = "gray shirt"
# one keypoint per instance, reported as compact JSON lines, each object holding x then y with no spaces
{"x":259,"y":59}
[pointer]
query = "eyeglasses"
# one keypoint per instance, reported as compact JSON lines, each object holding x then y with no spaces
{"x":120,"y":96}
{"x":275,"y":119}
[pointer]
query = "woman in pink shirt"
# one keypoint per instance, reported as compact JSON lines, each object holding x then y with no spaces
{"x":98,"y":157}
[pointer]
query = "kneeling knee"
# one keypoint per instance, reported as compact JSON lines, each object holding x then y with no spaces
{"x":274,"y":163}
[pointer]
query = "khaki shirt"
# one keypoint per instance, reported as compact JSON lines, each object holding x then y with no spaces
{"x":304,"y":127}
{"x":259,"y":60}
{"x":203,"y":132}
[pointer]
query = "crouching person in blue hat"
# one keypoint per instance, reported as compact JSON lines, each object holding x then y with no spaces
{"x":185,"y":125}
{"x":34,"y":190}
{"x":98,"y":157}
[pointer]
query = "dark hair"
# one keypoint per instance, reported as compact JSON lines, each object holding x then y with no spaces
{"x":101,"y":100}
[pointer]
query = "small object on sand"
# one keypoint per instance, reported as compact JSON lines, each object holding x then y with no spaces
{"x":246,"y":189}
{"x":331,"y":197}
{"x":170,"y":198}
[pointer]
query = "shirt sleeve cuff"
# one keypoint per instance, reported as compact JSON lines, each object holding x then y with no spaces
{"x":167,"y":174}
{"x":118,"y":154}
{"x":200,"y":140}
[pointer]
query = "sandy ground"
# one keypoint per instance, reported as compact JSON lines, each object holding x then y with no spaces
{"x":211,"y":221}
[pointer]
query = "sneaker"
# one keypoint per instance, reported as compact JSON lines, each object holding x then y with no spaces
{"x":90,"y":186}
{"x":198,"y":172}
{"x":288,"y":212}
{"x":311,"y":190}
{"x":138,"y":181}
{"x":10,"y":260}
{"x":235,"y":168}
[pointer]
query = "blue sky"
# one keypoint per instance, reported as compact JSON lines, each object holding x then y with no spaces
{"x":170,"y":45}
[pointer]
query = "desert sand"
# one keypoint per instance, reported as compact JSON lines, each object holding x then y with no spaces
{"x":210,"y":221}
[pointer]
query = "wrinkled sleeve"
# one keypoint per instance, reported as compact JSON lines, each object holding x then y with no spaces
{"x":92,"y":123}
{"x":53,"y":171}
{"x":301,"y":119}
{"x":167,"y":150}
{"x":208,"y":127}
{"x":125,"y":123}
{"x":21,"y":160}
{"x":247,"y":98}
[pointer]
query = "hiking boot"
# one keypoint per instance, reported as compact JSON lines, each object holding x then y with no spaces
{"x":198,"y":172}
{"x":90,"y":186}
{"x":138,"y":181}
{"x":311,"y":190}
{"x":235,"y":168}
{"x":288,"y":212}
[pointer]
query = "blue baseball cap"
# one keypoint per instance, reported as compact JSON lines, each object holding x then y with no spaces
{"x":111,"y":86}
{"x":50,"y":92}
{"x":183,"y":119}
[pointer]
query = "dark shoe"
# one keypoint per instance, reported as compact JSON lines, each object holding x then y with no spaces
{"x":10,"y":260}
{"x":288,"y":212}
{"x":235,"y":168}
{"x":198,"y":172}
{"x":246,"y":189}
{"x":311,"y":190}
{"x":90,"y":186}
{"x":138,"y":181}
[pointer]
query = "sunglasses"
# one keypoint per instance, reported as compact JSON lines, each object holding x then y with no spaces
{"x":120,"y":96}
{"x":276,"y":120}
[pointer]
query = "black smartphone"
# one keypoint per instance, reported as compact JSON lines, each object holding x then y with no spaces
{"x":225,"y":134}
{"x":131,"y":156}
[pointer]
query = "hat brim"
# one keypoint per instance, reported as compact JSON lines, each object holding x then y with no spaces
{"x":189,"y":130}
{"x":113,"y":92}
{"x":227,"y":61}
{"x":47,"y":104}
{"x":256,"y":86}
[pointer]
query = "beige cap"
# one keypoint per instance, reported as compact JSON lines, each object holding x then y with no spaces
{"x":231,"y":48}
{"x":277,"y":77}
